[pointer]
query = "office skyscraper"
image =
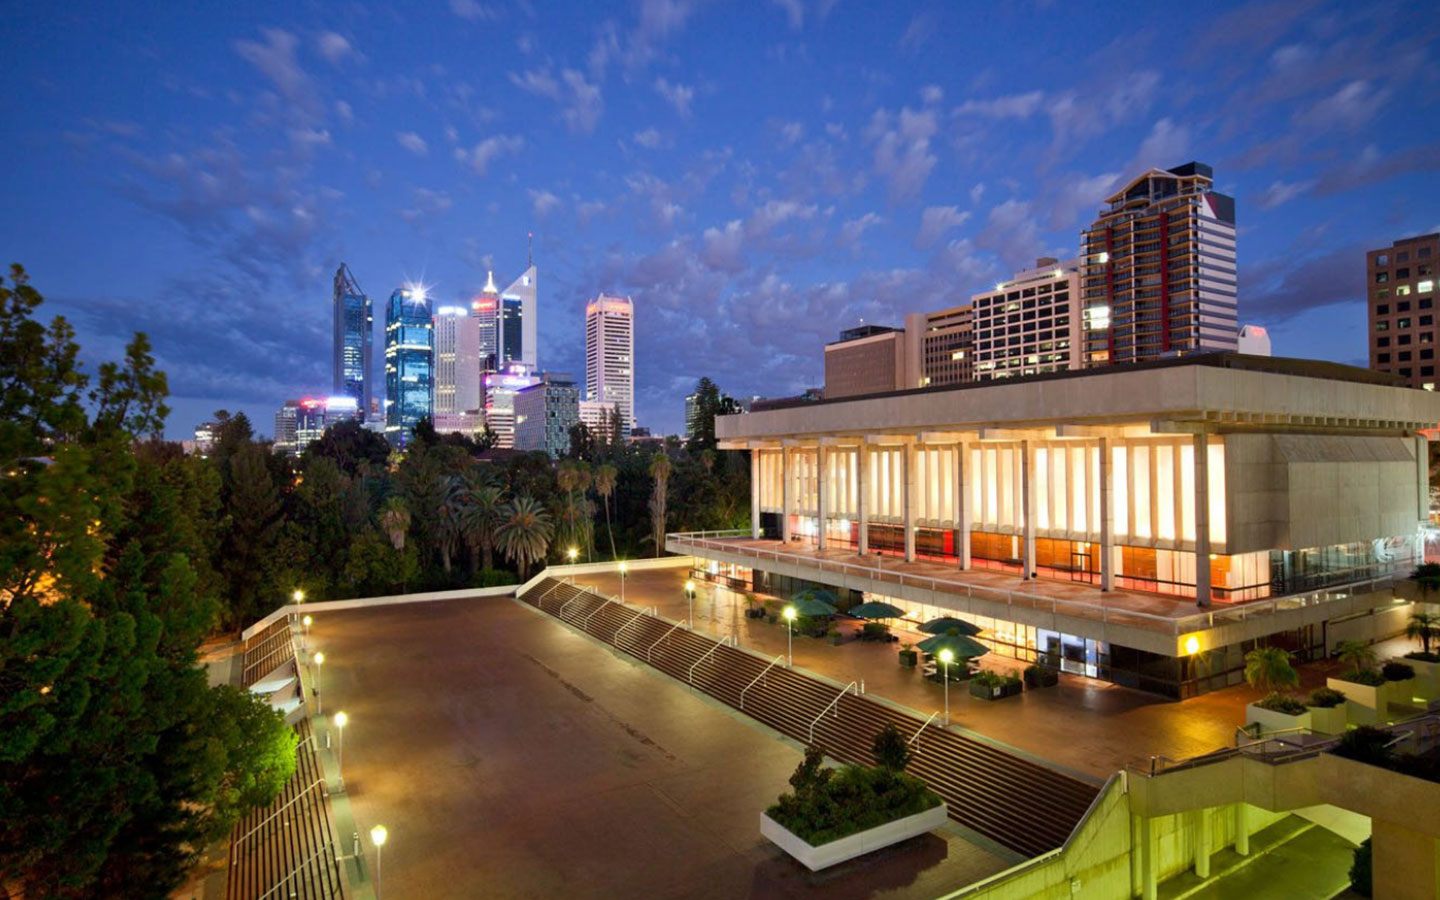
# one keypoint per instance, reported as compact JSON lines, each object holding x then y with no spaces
{"x":518,"y":322}
{"x":409,"y":362}
{"x":1030,"y":324}
{"x":457,"y":402}
{"x":1158,"y":269}
{"x":610,"y":356}
{"x":354,"y":337}
{"x":486,"y":310}
{"x":1400,"y":280}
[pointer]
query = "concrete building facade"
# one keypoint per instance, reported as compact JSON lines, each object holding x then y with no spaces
{"x":1401,"y":280}
{"x":457,"y":402}
{"x":940,"y":347}
{"x":1030,"y":325}
{"x":544,"y":413}
{"x":610,"y":355}
{"x":868,"y":359}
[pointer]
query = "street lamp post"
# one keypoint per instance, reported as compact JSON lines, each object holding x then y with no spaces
{"x":572,"y":553}
{"x":305,"y":644}
{"x":690,"y":595}
{"x":790,"y":635}
{"x":340,"y":719}
{"x":319,"y":701}
{"x":946,"y":657}
{"x":622,"y":582}
{"x":378,"y":834}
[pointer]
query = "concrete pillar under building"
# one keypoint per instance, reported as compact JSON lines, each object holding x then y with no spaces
{"x":1202,"y":521}
{"x":1147,"y":859}
{"x":1242,"y":830}
{"x":962,"y":505}
{"x":821,"y":489}
{"x":907,"y":478}
{"x":1202,"y":842}
{"x":787,"y":499}
{"x":862,"y":509}
{"x":1027,"y":506}
{"x":1107,"y":518}
{"x":754,"y":494}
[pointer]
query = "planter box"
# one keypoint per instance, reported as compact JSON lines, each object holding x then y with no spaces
{"x":1376,"y":698}
{"x":1405,"y":692}
{"x":826,"y":855}
{"x":908,"y":658}
{"x":999,"y":692}
{"x":1043,"y":679}
{"x":1327,"y":720}
{"x":1270,"y":720}
{"x":1427,"y":677}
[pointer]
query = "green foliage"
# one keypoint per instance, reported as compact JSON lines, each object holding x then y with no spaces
{"x":1325,"y":698}
{"x":1368,"y":677}
{"x":991,"y":679}
{"x":1361,"y":869}
{"x":874,"y":631}
{"x":1423,"y":625}
{"x":1280,"y":703}
{"x":1366,"y":744}
{"x":1356,"y":656}
{"x":524,"y":533}
{"x":890,"y":749}
{"x":1269,"y":669}
{"x":829,"y":804}
{"x":1397,"y":671}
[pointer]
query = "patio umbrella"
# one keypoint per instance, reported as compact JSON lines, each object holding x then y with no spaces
{"x":815,"y":593}
{"x":958,"y":644}
{"x":876,"y":609}
{"x":944,"y":624}
{"x":812,"y":606}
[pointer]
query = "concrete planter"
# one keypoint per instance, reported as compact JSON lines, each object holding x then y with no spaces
{"x":1270,"y":720}
{"x":1427,"y":677}
{"x":1375,"y":698}
{"x":995,"y":692}
{"x":1405,"y":692}
{"x":1327,"y":720}
{"x":846,"y":848}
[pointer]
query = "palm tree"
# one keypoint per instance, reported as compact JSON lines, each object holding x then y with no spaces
{"x":395,"y":519}
{"x":1355,"y":655}
{"x":660,"y":471}
{"x":479,"y":517}
{"x":1422,"y":625}
{"x":524,"y":533}
{"x":448,"y":528}
{"x":605,"y":476}
{"x":1268,"y":669}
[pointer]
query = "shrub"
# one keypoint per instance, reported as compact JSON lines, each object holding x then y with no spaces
{"x":891,"y":751}
{"x":848,"y":800}
{"x":1422,"y":656}
{"x":1326,"y":698}
{"x":1366,"y":744}
{"x":1360,"y":872}
{"x":1397,"y":671}
{"x":1280,"y":703}
{"x":1364,"y":676}
{"x":991,"y":678}
{"x":874,"y":631}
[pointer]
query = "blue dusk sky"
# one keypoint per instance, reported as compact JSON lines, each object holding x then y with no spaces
{"x":755,"y":175}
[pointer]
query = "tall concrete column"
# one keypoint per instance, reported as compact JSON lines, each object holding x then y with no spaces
{"x":1202,"y":521}
{"x":962,"y":504}
{"x":787,"y":499}
{"x":821,"y":488}
{"x":862,"y":508}
{"x":1147,"y":859}
{"x":1027,"y":505}
{"x":1202,"y":842}
{"x":754,"y":494}
{"x":1107,"y":518}
{"x":907,"y":479}
{"x":1242,"y":830}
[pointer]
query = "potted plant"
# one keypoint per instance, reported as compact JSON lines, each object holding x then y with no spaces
{"x":833,"y":815}
{"x":1042,"y":673}
{"x":1327,"y":711}
{"x":874,"y":631}
{"x":834,"y":636}
{"x":1268,"y":669}
{"x":990,"y":685}
{"x":907,"y":655}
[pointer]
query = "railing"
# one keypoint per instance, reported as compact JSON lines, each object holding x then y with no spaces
{"x":662,"y":637}
{"x":560,"y":614}
{"x":540,"y":600}
{"x":605,"y":601}
{"x":690,"y":675}
{"x":835,"y":703}
{"x":1176,"y":625}
{"x":614,"y":638}
{"x":763,"y":673}
{"x":916,"y":736}
{"x":296,"y":871}
{"x":266,"y":820}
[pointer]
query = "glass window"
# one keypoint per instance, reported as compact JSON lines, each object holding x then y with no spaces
{"x":1402,"y":339}
{"x":1382,"y":342}
{"x":1382,"y":277}
{"x":1382,"y":326}
{"x":1383,"y":259}
{"x":1424,"y":253}
{"x":1402,"y":290}
{"x":1402,"y":273}
{"x":1427,"y":320}
{"x":1402,"y":306}
{"x":1404,"y":356}
{"x":1382,"y":310}
{"x":1427,"y":353}
{"x":1402,"y":256}
{"x":1402,"y":323}
{"x":1425,"y":287}
{"x":1382,"y":357}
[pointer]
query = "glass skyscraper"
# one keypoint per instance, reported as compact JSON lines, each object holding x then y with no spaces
{"x":409,"y":362}
{"x":354,"y":338}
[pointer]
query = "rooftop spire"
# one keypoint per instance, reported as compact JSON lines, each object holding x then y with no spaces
{"x":490,"y":287}
{"x":529,"y":249}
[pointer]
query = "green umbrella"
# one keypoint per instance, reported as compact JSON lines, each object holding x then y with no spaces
{"x":958,"y":644}
{"x":815,"y":593}
{"x":875,"y":609}
{"x":812,"y":606}
{"x":945,"y":624}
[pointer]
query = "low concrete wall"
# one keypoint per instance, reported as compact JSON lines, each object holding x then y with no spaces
{"x":508,"y":590}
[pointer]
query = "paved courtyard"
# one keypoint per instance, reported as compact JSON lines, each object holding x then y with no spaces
{"x":1092,"y":727}
{"x":510,"y":756}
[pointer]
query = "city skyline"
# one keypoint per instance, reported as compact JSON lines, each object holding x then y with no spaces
{"x":753,"y":197}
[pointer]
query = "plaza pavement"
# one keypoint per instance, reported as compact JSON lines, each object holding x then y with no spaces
{"x":1091,"y":727}
{"x":510,"y":756}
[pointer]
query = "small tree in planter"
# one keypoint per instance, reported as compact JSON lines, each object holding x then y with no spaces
{"x":908,"y":656}
{"x":1423,"y":626}
{"x":1043,"y":673}
{"x":1268,"y":669}
{"x":891,"y":751}
{"x":1358,"y":659}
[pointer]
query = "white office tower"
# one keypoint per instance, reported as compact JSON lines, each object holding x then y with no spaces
{"x":518,"y":322}
{"x":610,"y":356}
{"x":1254,"y":340}
{"x":457,"y":402}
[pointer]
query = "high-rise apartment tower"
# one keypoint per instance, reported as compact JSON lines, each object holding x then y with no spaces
{"x":1401,"y":281}
{"x":610,"y":356}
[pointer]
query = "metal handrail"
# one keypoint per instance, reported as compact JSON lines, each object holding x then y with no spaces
{"x":657,"y":643}
{"x":1174,"y":625}
{"x":835,"y":703}
{"x":608,"y":601}
{"x":763,"y":673}
{"x":262,"y":822}
{"x":560,"y":613}
{"x":615,"y":638}
{"x":296,"y":871}
{"x":916,"y":736}
{"x":540,"y":600}
{"x":690,"y":675}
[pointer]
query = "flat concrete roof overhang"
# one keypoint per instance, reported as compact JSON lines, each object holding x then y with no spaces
{"x":1212,"y":393}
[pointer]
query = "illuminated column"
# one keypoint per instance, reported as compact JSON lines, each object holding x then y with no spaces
{"x":907,"y":481}
{"x":1202,"y":842}
{"x":1107,"y":518}
{"x":1242,"y":830}
{"x":962,"y":504}
{"x":1202,"y":519}
{"x":861,"y":510}
{"x":755,"y":494}
{"x":786,"y":498}
{"x":821,"y":489}
{"x":1027,"y":505}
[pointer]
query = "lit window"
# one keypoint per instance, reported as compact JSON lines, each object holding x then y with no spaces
{"x":1425,"y":287}
{"x":1402,"y":290}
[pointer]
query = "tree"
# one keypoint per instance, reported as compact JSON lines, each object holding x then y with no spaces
{"x":525,"y":532}
{"x":1268,"y":669}
{"x":1355,"y":655}
{"x":707,"y":407}
{"x":1422,"y":625}
{"x":890,"y":749}
{"x":660,"y":471}
{"x":251,"y":535}
{"x":479,"y":517}
{"x":130,"y":399}
{"x":605,"y":475}
{"x":352,"y":446}
{"x":395,"y":519}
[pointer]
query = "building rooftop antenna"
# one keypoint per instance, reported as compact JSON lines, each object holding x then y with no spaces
{"x":529,"y":249}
